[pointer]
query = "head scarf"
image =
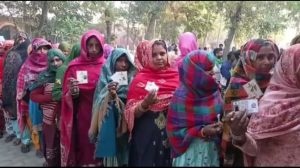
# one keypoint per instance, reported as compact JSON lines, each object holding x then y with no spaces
{"x":55,"y":45}
{"x":107,"y":50}
{"x":84,"y":58}
{"x":187,"y":43}
{"x":295,"y":40}
{"x":166,"y":79}
{"x":12,"y":64}
{"x":140,"y":59}
{"x":195,"y":104}
{"x":100,"y":105}
{"x":75,"y":52}
{"x":279,"y":109}
{"x":32,"y":67}
{"x":64,"y":46}
{"x":48,"y":76}
{"x":244,"y":72}
{"x":93,"y":66}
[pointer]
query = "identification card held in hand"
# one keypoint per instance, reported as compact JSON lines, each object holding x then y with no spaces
{"x":151,"y":86}
{"x":82,"y":77}
{"x":120,"y":77}
{"x":253,"y":89}
{"x":250,"y":105}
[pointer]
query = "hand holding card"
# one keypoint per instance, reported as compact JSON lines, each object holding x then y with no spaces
{"x":120,"y":78}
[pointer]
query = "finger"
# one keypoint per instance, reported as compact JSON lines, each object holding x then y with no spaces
{"x":243,"y":119}
{"x":246,"y":123}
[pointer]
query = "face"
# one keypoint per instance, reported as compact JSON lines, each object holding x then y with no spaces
{"x":56,"y":61}
{"x":66,"y":52}
{"x":43,"y":50}
{"x":94,"y":47}
{"x":159,"y":56}
{"x":20,"y":40}
{"x":219,"y":54}
{"x":265,"y":59}
{"x":122,"y":64}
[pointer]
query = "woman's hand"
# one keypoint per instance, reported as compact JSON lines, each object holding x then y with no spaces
{"x":213,"y":129}
{"x":112,"y":88}
{"x":238,"y":122}
{"x":74,"y":87}
{"x":150,"y":99}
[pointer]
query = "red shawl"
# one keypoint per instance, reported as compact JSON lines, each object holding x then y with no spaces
{"x":69,"y":107}
{"x":32,"y":67}
{"x":167,"y":80}
{"x":141,"y":59}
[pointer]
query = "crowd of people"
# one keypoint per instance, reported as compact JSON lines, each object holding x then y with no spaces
{"x":93,"y":105}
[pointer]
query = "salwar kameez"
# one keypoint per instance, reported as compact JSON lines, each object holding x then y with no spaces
{"x":149,"y":144}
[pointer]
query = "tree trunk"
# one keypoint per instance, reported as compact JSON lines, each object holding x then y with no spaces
{"x":108,"y":16}
{"x":128,"y":32}
{"x":44,"y":17}
{"x":151,"y":27}
{"x":234,"y":20}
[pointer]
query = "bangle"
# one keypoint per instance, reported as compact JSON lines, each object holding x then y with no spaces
{"x":202,"y":133}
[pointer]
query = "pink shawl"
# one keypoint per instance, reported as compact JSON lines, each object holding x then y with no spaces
{"x":141,"y":58}
{"x":32,"y":67}
{"x":187,"y":43}
{"x":69,"y":107}
{"x":279,"y":108}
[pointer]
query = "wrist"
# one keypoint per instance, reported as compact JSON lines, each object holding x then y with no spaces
{"x":238,"y":137}
{"x":144,"y":105}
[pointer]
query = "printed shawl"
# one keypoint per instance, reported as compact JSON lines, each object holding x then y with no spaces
{"x":242,"y":74}
{"x":141,"y":59}
{"x":196,"y":102}
{"x":32,"y":67}
{"x":166,"y":79}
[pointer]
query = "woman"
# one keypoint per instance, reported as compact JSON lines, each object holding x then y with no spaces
{"x":140,"y":58}
{"x":187,"y":43}
{"x":77,"y":101}
{"x":108,"y":111}
{"x":33,"y":66}
{"x":257,"y":58}
{"x":272,"y":136}
{"x":65,"y":48}
{"x":146,"y":110}
{"x":107,"y":50}
{"x":60,"y":72}
{"x":42,"y":94}
{"x":14,"y":59}
{"x":192,"y":124}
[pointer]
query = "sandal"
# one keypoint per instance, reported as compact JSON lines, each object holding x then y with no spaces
{"x":17,"y":142}
{"x":25,"y":148}
{"x":10,"y":138}
{"x":39,"y":154}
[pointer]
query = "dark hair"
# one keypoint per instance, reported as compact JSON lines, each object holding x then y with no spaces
{"x":295,"y":40}
{"x":205,"y":48}
{"x":162,"y":43}
{"x":216,"y":50}
{"x":237,"y":54}
{"x":221,"y":45}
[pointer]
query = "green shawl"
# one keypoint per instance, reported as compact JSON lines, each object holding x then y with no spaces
{"x":75,"y":52}
{"x":48,"y":76}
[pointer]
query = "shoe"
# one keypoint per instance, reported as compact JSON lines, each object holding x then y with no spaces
{"x":10,"y":138}
{"x":25,"y":148}
{"x":17,"y":142}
